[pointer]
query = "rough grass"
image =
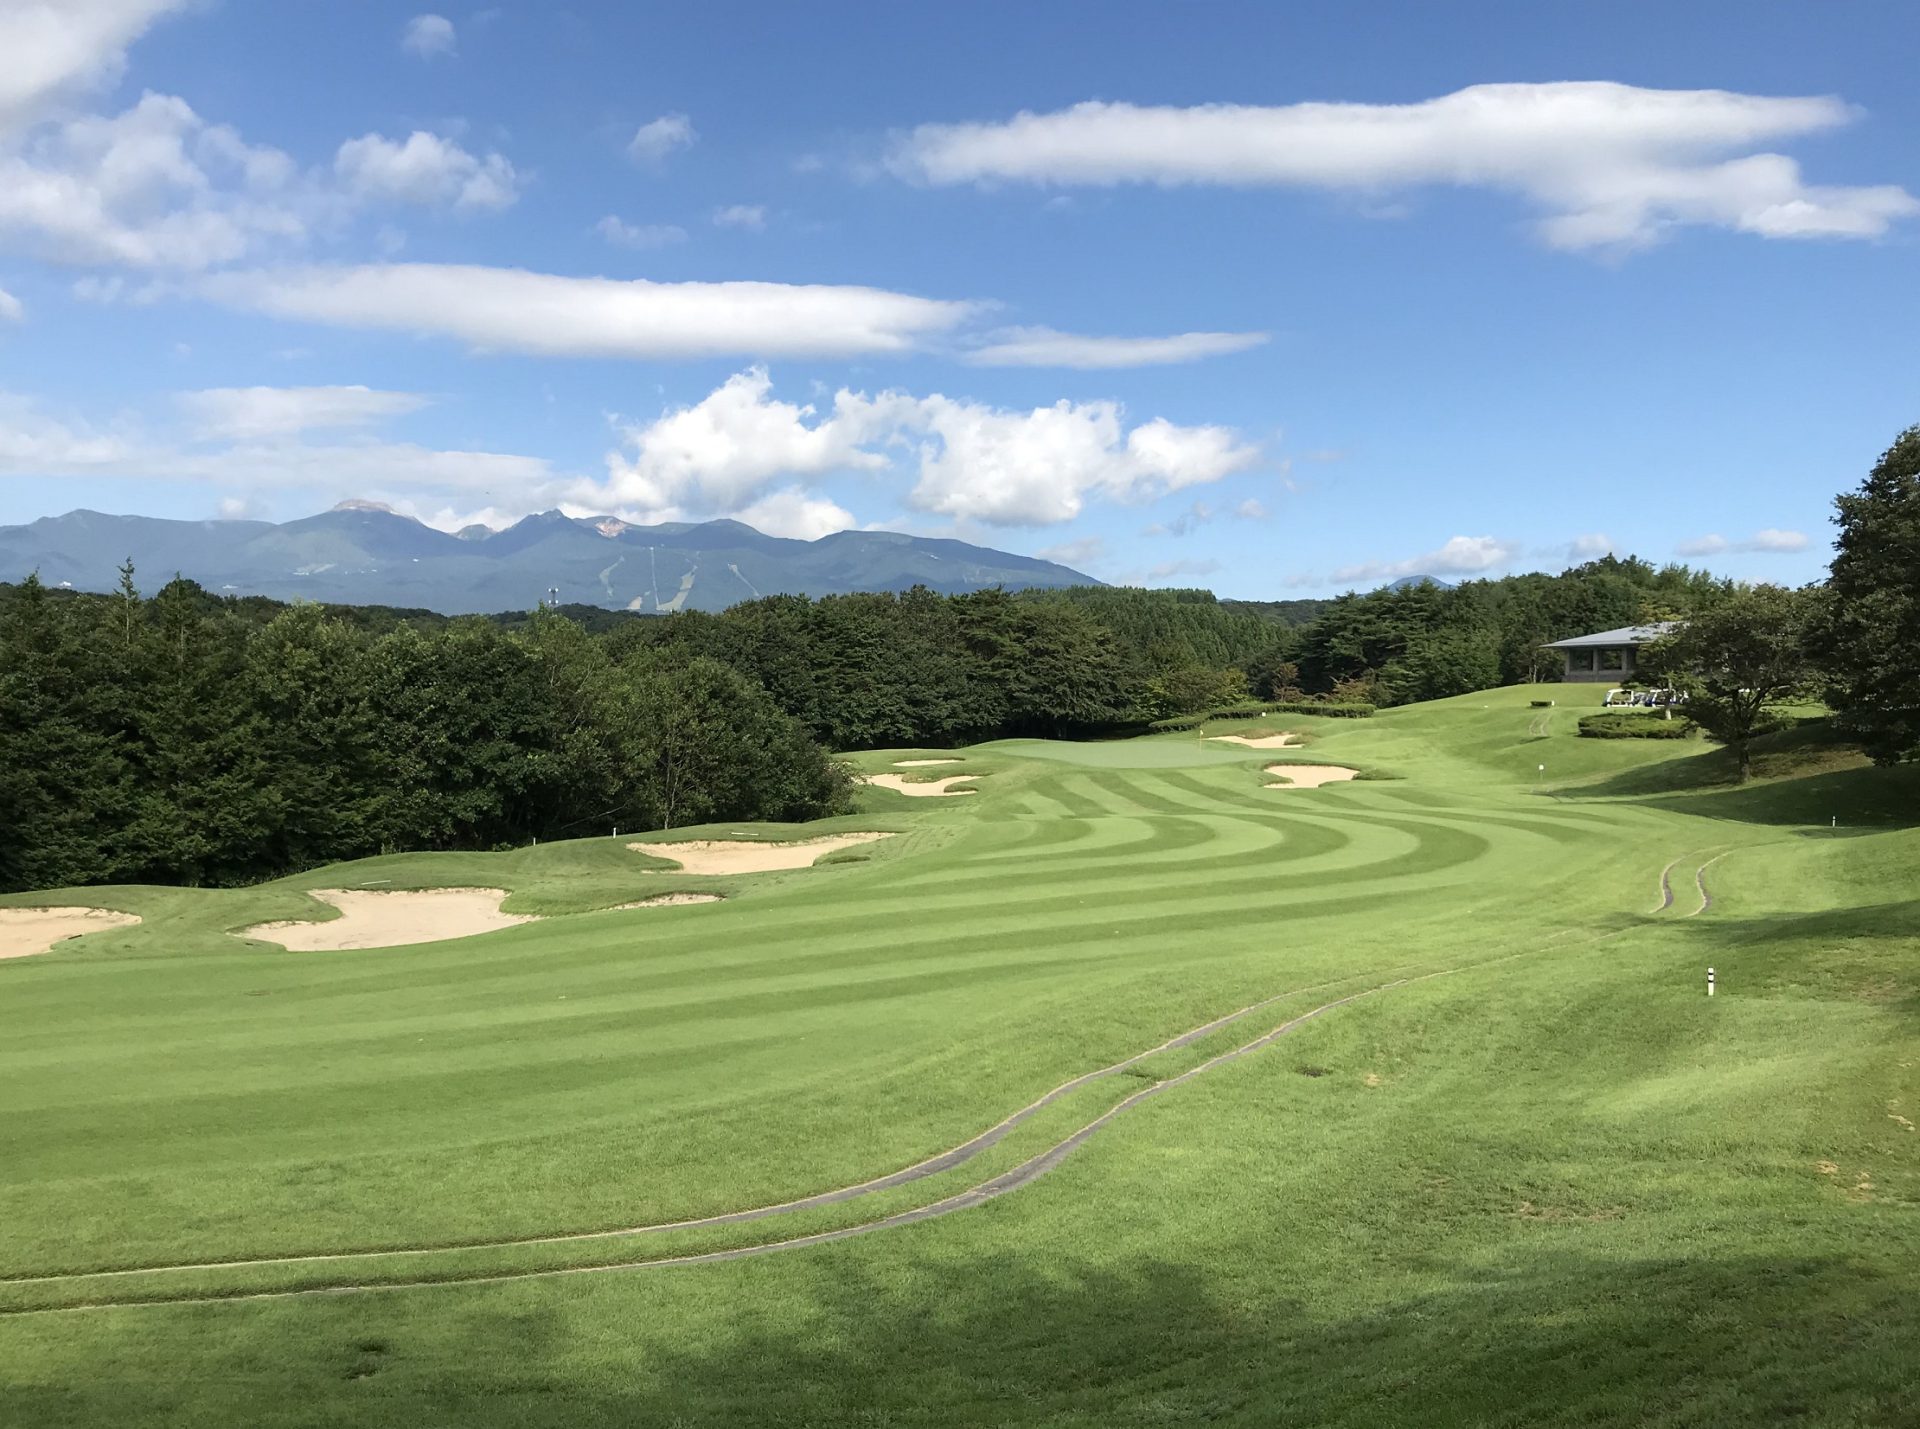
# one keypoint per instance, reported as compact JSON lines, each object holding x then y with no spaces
{"x":1553,"y":1184}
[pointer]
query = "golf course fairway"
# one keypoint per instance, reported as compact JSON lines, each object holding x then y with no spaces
{"x":1127,"y":1091}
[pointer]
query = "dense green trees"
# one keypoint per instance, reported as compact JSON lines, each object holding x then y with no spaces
{"x":184,"y":739}
{"x":1424,"y":642}
{"x":1870,"y":641}
{"x":1736,"y":658}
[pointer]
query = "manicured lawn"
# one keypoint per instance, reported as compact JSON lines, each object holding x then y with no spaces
{"x":1532,"y":1175}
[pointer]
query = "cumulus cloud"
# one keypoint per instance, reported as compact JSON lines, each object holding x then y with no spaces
{"x":1043,"y":347}
{"x":724,"y":450}
{"x":251,"y":413}
{"x":655,"y":141}
{"x":11,"y":308}
{"x":153,"y":187}
{"x":52,"y":48}
{"x":1461,"y":556}
{"x":969,"y":460}
{"x":427,"y":170}
{"x":158,"y":187}
{"x":793,"y":513}
{"x":1770,"y":542}
{"x":428,"y":36}
{"x":1590,"y":547}
{"x":1607,"y":165}
{"x":510,"y":309}
{"x":750,"y":216}
{"x":622,"y":234}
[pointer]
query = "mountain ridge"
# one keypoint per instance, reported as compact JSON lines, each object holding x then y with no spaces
{"x":362,"y":553}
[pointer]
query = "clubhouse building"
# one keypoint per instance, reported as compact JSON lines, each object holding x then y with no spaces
{"x":1611,"y":656}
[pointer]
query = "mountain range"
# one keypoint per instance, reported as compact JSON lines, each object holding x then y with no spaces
{"x":362,"y":553}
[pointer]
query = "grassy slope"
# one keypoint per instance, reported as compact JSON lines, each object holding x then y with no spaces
{"x":1553,"y":1185}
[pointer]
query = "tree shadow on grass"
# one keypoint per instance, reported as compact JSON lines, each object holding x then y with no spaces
{"x":1870,"y":799}
{"x":1552,"y":1338}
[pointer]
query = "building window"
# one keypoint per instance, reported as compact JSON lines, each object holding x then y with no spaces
{"x":1612,"y":659}
{"x":1580,"y":659}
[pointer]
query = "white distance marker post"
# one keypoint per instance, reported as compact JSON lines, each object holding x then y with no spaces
{"x":1709,"y":982}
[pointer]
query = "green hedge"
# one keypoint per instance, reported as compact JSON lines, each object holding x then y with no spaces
{"x":1302,"y":707}
{"x":1621,"y":725}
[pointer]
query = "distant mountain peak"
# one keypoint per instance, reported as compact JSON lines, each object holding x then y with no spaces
{"x":346,"y":556}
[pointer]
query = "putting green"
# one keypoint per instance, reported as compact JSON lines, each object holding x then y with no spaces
{"x":1125,"y":1061}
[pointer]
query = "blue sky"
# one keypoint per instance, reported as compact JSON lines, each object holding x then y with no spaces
{"x":1273,"y":299}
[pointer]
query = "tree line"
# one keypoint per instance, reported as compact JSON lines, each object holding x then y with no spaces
{"x":191,"y":738}
{"x":183,"y":739}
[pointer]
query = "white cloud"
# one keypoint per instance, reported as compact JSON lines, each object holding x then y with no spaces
{"x":1590,"y":547}
{"x":791,"y":512}
{"x":251,"y":413}
{"x":970,"y":461}
{"x":428,"y":36}
{"x":723,"y":451}
{"x":425,"y":169}
{"x":513,"y":310}
{"x":1608,"y":165}
{"x":34,"y":444}
{"x":153,"y":187}
{"x":1770,"y":542}
{"x":54,"y":46}
{"x":1087,"y":550}
{"x":1043,"y":347}
{"x":654,"y":141}
{"x":622,"y":234}
{"x":1252,"y":509}
{"x":158,"y":187}
{"x":1461,"y":556}
{"x":751,"y":216}
{"x":1168,"y":570}
{"x":11,"y":308}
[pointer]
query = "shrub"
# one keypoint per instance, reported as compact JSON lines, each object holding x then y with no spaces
{"x":1622,"y":725}
{"x":1258,"y":711}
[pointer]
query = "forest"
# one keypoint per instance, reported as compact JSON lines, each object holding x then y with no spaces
{"x":185,"y":737}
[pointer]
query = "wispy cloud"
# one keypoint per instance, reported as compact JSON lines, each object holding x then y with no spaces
{"x":1043,"y":347}
{"x":622,"y":234}
{"x":1607,"y":165}
{"x":510,"y":309}
{"x":1460,"y":556}
{"x":428,"y":36}
{"x":750,"y":216}
{"x":656,"y":140}
{"x":1770,"y":542}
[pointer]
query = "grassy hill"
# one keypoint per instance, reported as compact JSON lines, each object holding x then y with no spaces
{"x":1506,"y":1165}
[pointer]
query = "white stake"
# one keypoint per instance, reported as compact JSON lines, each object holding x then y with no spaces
{"x":1709,"y":982}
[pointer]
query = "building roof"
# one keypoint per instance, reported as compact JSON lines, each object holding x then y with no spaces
{"x":1625,"y":635}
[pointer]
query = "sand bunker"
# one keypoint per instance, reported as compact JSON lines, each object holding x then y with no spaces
{"x":392,"y":919}
{"x":1308,"y":776}
{"x":921,"y":763}
{"x":924,"y":788}
{"x":668,"y":900}
{"x":26,"y":931}
{"x":1259,"y":741}
{"x":709,"y":856}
